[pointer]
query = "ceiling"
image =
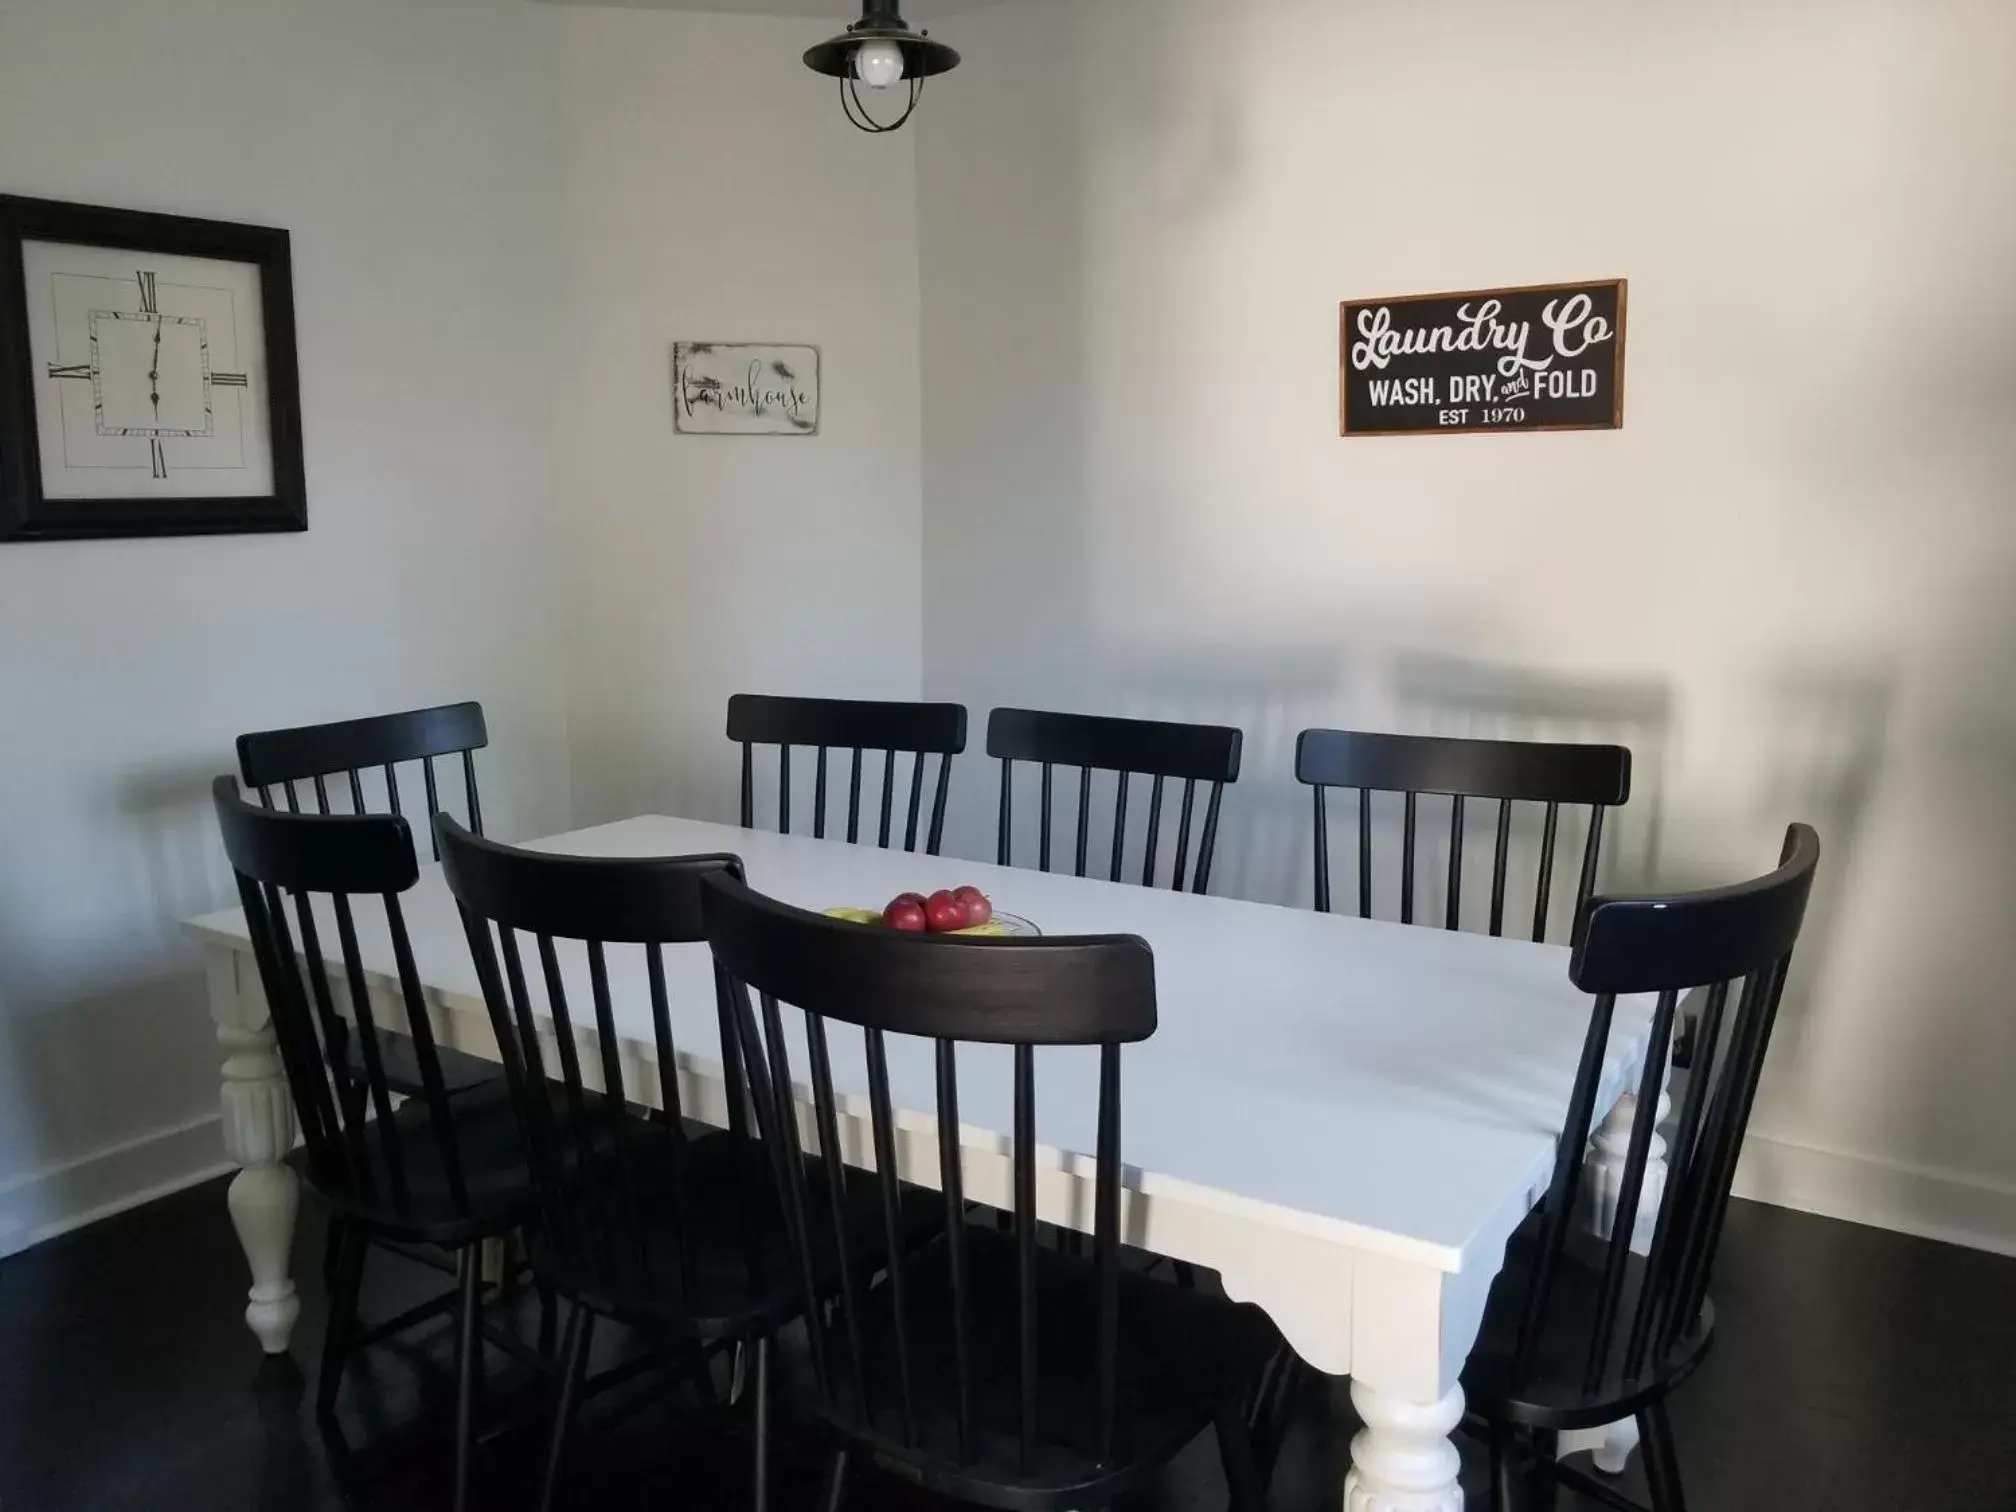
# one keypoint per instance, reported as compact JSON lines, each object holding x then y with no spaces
{"x":836,"y":10}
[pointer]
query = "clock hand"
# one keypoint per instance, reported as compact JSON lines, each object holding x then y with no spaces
{"x":154,"y":377}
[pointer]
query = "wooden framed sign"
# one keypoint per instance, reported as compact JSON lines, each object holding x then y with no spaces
{"x":1544,"y":357}
{"x":741,"y":388}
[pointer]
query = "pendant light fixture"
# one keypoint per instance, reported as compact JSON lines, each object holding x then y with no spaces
{"x":880,"y":52}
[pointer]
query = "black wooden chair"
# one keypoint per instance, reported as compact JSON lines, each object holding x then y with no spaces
{"x":1506,"y":771}
{"x":435,"y":1171}
{"x":646,"y":1220}
{"x":278,"y":764}
{"x":1579,"y":1331}
{"x":916,"y":730}
{"x":982,"y":1366}
{"x":1129,"y":748}
{"x":271,"y":760}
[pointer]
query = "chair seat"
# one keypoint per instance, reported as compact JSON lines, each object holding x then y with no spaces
{"x":1183,"y":1358}
{"x":1554,"y":1393}
{"x":400,"y":1059}
{"x":406,"y":1192}
{"x":738,"y":1277}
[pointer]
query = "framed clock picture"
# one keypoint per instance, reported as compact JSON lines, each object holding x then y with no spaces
{"x":148,"y":382}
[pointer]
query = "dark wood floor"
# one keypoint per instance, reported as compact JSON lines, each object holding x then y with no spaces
{"x":1854,"y":1369}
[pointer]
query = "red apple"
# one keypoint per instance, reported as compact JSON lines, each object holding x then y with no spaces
{"x":904,"y":915}
{"x":908,"y":897}
{"x":944,"y":913}
{"x":974,"y":901}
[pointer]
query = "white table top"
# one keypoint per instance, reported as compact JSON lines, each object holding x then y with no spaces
{"x":1398,"y":1088}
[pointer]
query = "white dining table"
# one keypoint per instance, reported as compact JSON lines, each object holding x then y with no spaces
{"x":1346,"y":1119}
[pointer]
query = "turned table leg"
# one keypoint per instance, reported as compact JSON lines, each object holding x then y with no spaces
{"x":1402,"y":1460}
{"x":1605,"y":1170}
{"x":258,"y":1134}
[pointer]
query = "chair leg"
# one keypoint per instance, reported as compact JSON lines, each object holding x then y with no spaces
{"x":346,"y":1265}
{"x":332,"y":1253}
{"x":511,"y":1278}
{"x":1505,"y":1495}
{"x":1662,"y":1463}
{"x":1244,"y":1490}
{"x":468,"y":1350}
{"x":700,"y":1376}
{"x":836,"y":1483}
{"x":548,"y":1321}
{"x":1543,"y":1486}
{"x":759,"y":1383}
{"x":574,"y":1366}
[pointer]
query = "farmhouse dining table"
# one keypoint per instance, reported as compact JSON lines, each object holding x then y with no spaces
{"x":1346,"y":1119}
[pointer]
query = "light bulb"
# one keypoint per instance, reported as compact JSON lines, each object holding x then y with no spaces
{"x":878,"y":64}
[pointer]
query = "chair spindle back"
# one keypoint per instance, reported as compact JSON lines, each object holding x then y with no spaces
{"x":861,"y":728}
{"x":1506,"y":771}
{"x":1129,"y":748}
{"x":351,"y":748}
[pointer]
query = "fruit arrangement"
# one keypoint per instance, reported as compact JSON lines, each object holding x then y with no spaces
{"x":957,"y":910}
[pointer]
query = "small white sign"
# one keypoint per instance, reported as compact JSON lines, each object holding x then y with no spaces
{"x":740,"y":388}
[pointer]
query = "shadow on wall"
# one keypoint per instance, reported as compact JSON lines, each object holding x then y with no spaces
{"x":182,"y":870}
{"x":1812,"y":736}
{"x":1274,"y":693}
{"x":1823,"y":730}
{"x":1270,"y":696}
{"x":142,"y":1010}
{"x":1268,"y":692}
{"x":1949,"y":1044}
{"x":1438,"y":694}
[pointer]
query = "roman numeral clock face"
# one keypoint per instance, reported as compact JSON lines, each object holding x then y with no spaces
{"x":151,"y":372}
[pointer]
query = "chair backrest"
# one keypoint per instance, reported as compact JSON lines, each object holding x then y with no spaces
{"x":349,"y":748}
{"x":327,"y":868}
{"x":1024,"y":993}
{"x":916,"y":730}
{"x":1670,"y":945}
{"x":1509,"y":771}
{"x":1187,"y":753}
{"x":607,"y":1184}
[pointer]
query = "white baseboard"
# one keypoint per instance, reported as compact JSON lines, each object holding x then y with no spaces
{"x":1953,"y":1206}
{"x":45,"y":1203}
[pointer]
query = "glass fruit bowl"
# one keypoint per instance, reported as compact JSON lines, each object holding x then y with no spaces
{"x":1003,"y":926}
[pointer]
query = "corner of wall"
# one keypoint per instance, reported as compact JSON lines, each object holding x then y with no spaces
{"x":42,"y":1204}
{"x":1955,"y":1207}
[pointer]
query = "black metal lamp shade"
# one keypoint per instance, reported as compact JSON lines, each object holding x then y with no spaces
{"x":880,"y":22}
{"x":922,"y":57}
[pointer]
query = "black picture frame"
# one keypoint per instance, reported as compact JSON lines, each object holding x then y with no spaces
{"x":25,"y":514}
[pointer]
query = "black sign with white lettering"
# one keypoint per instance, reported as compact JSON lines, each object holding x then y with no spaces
{"x":1550,"y":357}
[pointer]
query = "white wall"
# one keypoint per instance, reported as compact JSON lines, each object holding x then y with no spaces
{"x":1785,"y":582}
{"x":410,"y":148}
{"x":714,"y":192}
{"x":502,"y":216}
{"x":1104,"y":266}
